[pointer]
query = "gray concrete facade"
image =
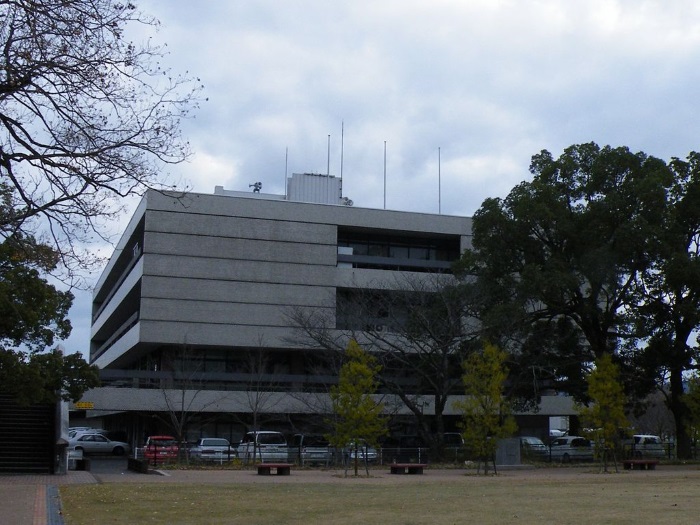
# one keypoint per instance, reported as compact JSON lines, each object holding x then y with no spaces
{"x":219,"y":273}
{"x":223,"y":270}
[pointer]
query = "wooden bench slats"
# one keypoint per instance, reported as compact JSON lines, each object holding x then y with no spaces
{"x":640,"y":464}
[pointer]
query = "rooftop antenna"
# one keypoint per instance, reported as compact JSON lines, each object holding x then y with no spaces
{"x":439,"y":185}
{"x":385,"y":174}
{"x":286,"y":164}
{"x":328,"y":164}
{"x":342,"y":139}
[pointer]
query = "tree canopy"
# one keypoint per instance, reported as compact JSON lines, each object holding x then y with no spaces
{"x":33,"y":314}
{"x":87,"y":118}
{"x":597,"y":255}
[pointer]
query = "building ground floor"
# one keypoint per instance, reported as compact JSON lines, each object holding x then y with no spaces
{"x":132,"y":415}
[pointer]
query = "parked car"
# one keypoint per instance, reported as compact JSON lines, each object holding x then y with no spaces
{"x":570,"y":448}
{"x":307,"y":449}
{"x":161,"y":448}
{"x":77,"y":431}
{"x":263,"y":445}
{"x":363,"y":452}
{"x":96,"y":443}
{"x":213,"y":449}
{"x":646,"y":445}
{"x":453,"y":440}
{"x":533,"y":448}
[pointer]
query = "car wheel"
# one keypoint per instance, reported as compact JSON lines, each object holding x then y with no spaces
{"x":118,"y":451}
{"x":565,"y":458}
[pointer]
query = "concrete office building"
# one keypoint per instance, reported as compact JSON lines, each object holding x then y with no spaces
{"x":192,"y":312}
{"x":216,"y":275}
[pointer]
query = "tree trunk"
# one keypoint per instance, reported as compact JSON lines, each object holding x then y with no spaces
{"x":680,"y":415}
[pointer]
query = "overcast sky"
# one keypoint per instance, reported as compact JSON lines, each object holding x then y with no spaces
{"x":487,"y":83}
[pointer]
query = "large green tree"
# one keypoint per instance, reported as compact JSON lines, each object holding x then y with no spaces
{"x":668,"y":297}
{"x":554,"y":264}
{"x":32,"y":316}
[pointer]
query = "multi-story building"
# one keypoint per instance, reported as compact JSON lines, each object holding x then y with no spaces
{"x":195,"y":302}
{"x":193,"y":316}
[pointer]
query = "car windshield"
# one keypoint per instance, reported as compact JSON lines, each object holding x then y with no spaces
{"x":271,"y":439}
{"x":215,"y":442}
{"x":162,"y":442}
{"x":315,"y":441}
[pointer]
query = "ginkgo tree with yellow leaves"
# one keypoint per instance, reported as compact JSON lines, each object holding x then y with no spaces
{"x":358,"y":420}
{"x":605,"y":414}
{"x":486,"y":412}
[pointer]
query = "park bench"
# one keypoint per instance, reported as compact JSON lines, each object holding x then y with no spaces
{"x":407,"y":468}
{"x":281,"y":469}
{"x":640,"y":464}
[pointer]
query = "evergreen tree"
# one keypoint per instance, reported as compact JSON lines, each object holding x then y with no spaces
{"x":358,"y":417}
{"x":486,"y":412}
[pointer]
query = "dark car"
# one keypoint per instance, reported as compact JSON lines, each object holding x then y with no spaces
{"x":533,"y":448}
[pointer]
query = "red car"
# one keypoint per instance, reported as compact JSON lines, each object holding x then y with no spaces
{"x":160,"y":448}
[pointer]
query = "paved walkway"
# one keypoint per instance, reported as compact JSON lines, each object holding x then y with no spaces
{"x":29,"y":499}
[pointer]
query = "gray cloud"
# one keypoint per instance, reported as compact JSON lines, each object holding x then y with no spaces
{"x":489,"y":82}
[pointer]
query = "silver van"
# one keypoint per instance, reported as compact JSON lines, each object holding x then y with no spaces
{"x":263,"y":446}
{"x":647,"y":446}
{"x":571,"y":448}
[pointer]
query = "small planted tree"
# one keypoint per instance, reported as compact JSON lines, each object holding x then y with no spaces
{"x":358,"y":419}
{"x":606,"y":412}
{"x":487,"y":415}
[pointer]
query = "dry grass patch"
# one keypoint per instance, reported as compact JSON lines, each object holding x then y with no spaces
{"x":619,"y":498}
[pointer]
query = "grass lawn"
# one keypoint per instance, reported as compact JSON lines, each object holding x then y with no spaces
{"x":623,"y":498}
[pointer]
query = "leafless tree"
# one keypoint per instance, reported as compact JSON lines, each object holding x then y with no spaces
{"x":185,"y":394}
{"x":87,"y":118}
{"x":260,"y":391}
{"x":419,"y":329}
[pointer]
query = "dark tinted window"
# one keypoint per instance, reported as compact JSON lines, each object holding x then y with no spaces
{"x":271,"y":439}
{"x":315,"y":441}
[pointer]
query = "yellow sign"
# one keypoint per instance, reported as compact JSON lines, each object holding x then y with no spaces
{"x":85,"y":405}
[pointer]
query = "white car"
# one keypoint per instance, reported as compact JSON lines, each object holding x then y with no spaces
{"x":646,"y":446}
{"x":570,"y":448}
{"x":364,"y":452}
{"x":263,"y":446}
{"x":213,"y":449}
{"x":95,"y":443}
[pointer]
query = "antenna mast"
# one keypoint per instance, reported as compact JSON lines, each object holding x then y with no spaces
{"x":342,"y":141}
{"x":286,"y":163}
{"x":385,"y":174}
